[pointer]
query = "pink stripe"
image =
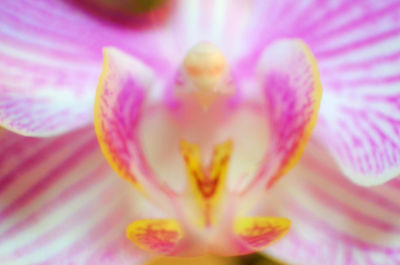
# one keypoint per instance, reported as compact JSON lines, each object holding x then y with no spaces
{"x":113,"y":220}
{"x":380,"y":157}
{"x":16,"y":148}
{"x":70,"y":223}
{"x":358,"y":44}
{"x":367,"y":64}
{"x":395,"y":183}
{"x":333,"y":234}
{"x":358,"y":22}
{"x":369,"y":195}
{"x":344,"y":209}
{"x":361,"y":83}
{"x":38,"y":67}
{"x":79,"y":54}
{"x":42,"y":154}
{"x":52,"y":38}
{"x":82,"y":39}
{"x":38,"y":18}
{"x":51,"y":178}
{"x":8,"y":140}
{"x":69,"y":193}
{"x":325,"y":19}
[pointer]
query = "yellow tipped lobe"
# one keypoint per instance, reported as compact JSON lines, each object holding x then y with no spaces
{"x":158,"y":236}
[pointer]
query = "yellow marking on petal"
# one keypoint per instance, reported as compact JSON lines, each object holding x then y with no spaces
{"x":159,"y":236}
{"x":207,"y":185}
{"x":317,"y":96}
{"x":101,"y":135}
{"x":206,"y":69}
{"x":259,"y":232}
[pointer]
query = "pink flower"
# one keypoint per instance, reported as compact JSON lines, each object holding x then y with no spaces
{"x":206,"y":107}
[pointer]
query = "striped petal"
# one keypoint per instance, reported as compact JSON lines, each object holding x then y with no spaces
{"x":359,"y":59}
{"x":50,"y":57}
{"x":124,"y":86}
{"x":357,"y":46}
{"x":333,"y":220}
{"x":60,"y":203}
{"x":48,"y":75}
{"x":289,"y":78}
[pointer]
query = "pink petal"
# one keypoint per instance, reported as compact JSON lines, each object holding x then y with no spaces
{"x":333,"y":220}
{"x":134,"y":128}
{"x":126,"y":83}
{"x":359,"y":58}
{"x":60,"y":203}
{"x":50,"y":55}
{"x":289,"y":79}
{"x":51,"y":51}
{"x":357,"y":46}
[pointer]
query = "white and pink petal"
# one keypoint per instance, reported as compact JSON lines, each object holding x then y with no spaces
{"x":125,"y":85}
{"x":51,"y":59}
{"x":60,"y":203}
{"x":333,"y":220}
{"x":287,"y":82}
{"x":357,"y":46}
{"x":359,"y":63}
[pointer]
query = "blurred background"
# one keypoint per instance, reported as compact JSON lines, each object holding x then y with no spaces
{"x":254,"y":259}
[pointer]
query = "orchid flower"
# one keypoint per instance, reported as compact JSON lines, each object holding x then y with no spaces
{"x":207,"y":111}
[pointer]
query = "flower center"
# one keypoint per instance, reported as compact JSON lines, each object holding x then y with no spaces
{"x":204,"y":74}
{"x":207,"y":183}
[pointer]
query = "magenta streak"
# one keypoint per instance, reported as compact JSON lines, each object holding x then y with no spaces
{"x":85,"y":13}
{"x":361,"y":83}
{"x":334,"y":235}
{"x":285,"y":130}
{"x":54,"y":121}
{"x":18,"y":146}
{"x":367,"y":64}
{"x":346,"y":210}
{"x":9,"y":140}
{"x":51,"y":30}
{"x":366,"y":194}
{"x":60,"y":71}
{"x":384,"y":139}
{"x":395,"y":183}
{"x":68,"y":225}
{"x":359,"y":22}
{"x":324,"y":19}
{"x":69,"y":193}
{"x":55,"y":175}
{"x":346,"y":148}
{"x":125,"y":128}
{"x":31,"y":161}
{"x":61,"y":55}
{"x":357,"y":44}
{"x":367,"y":136}
{"x":82,"y":37}
{"x":112,"y":221}
{"x":25,"y":120}
{"x":286,"y":11}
